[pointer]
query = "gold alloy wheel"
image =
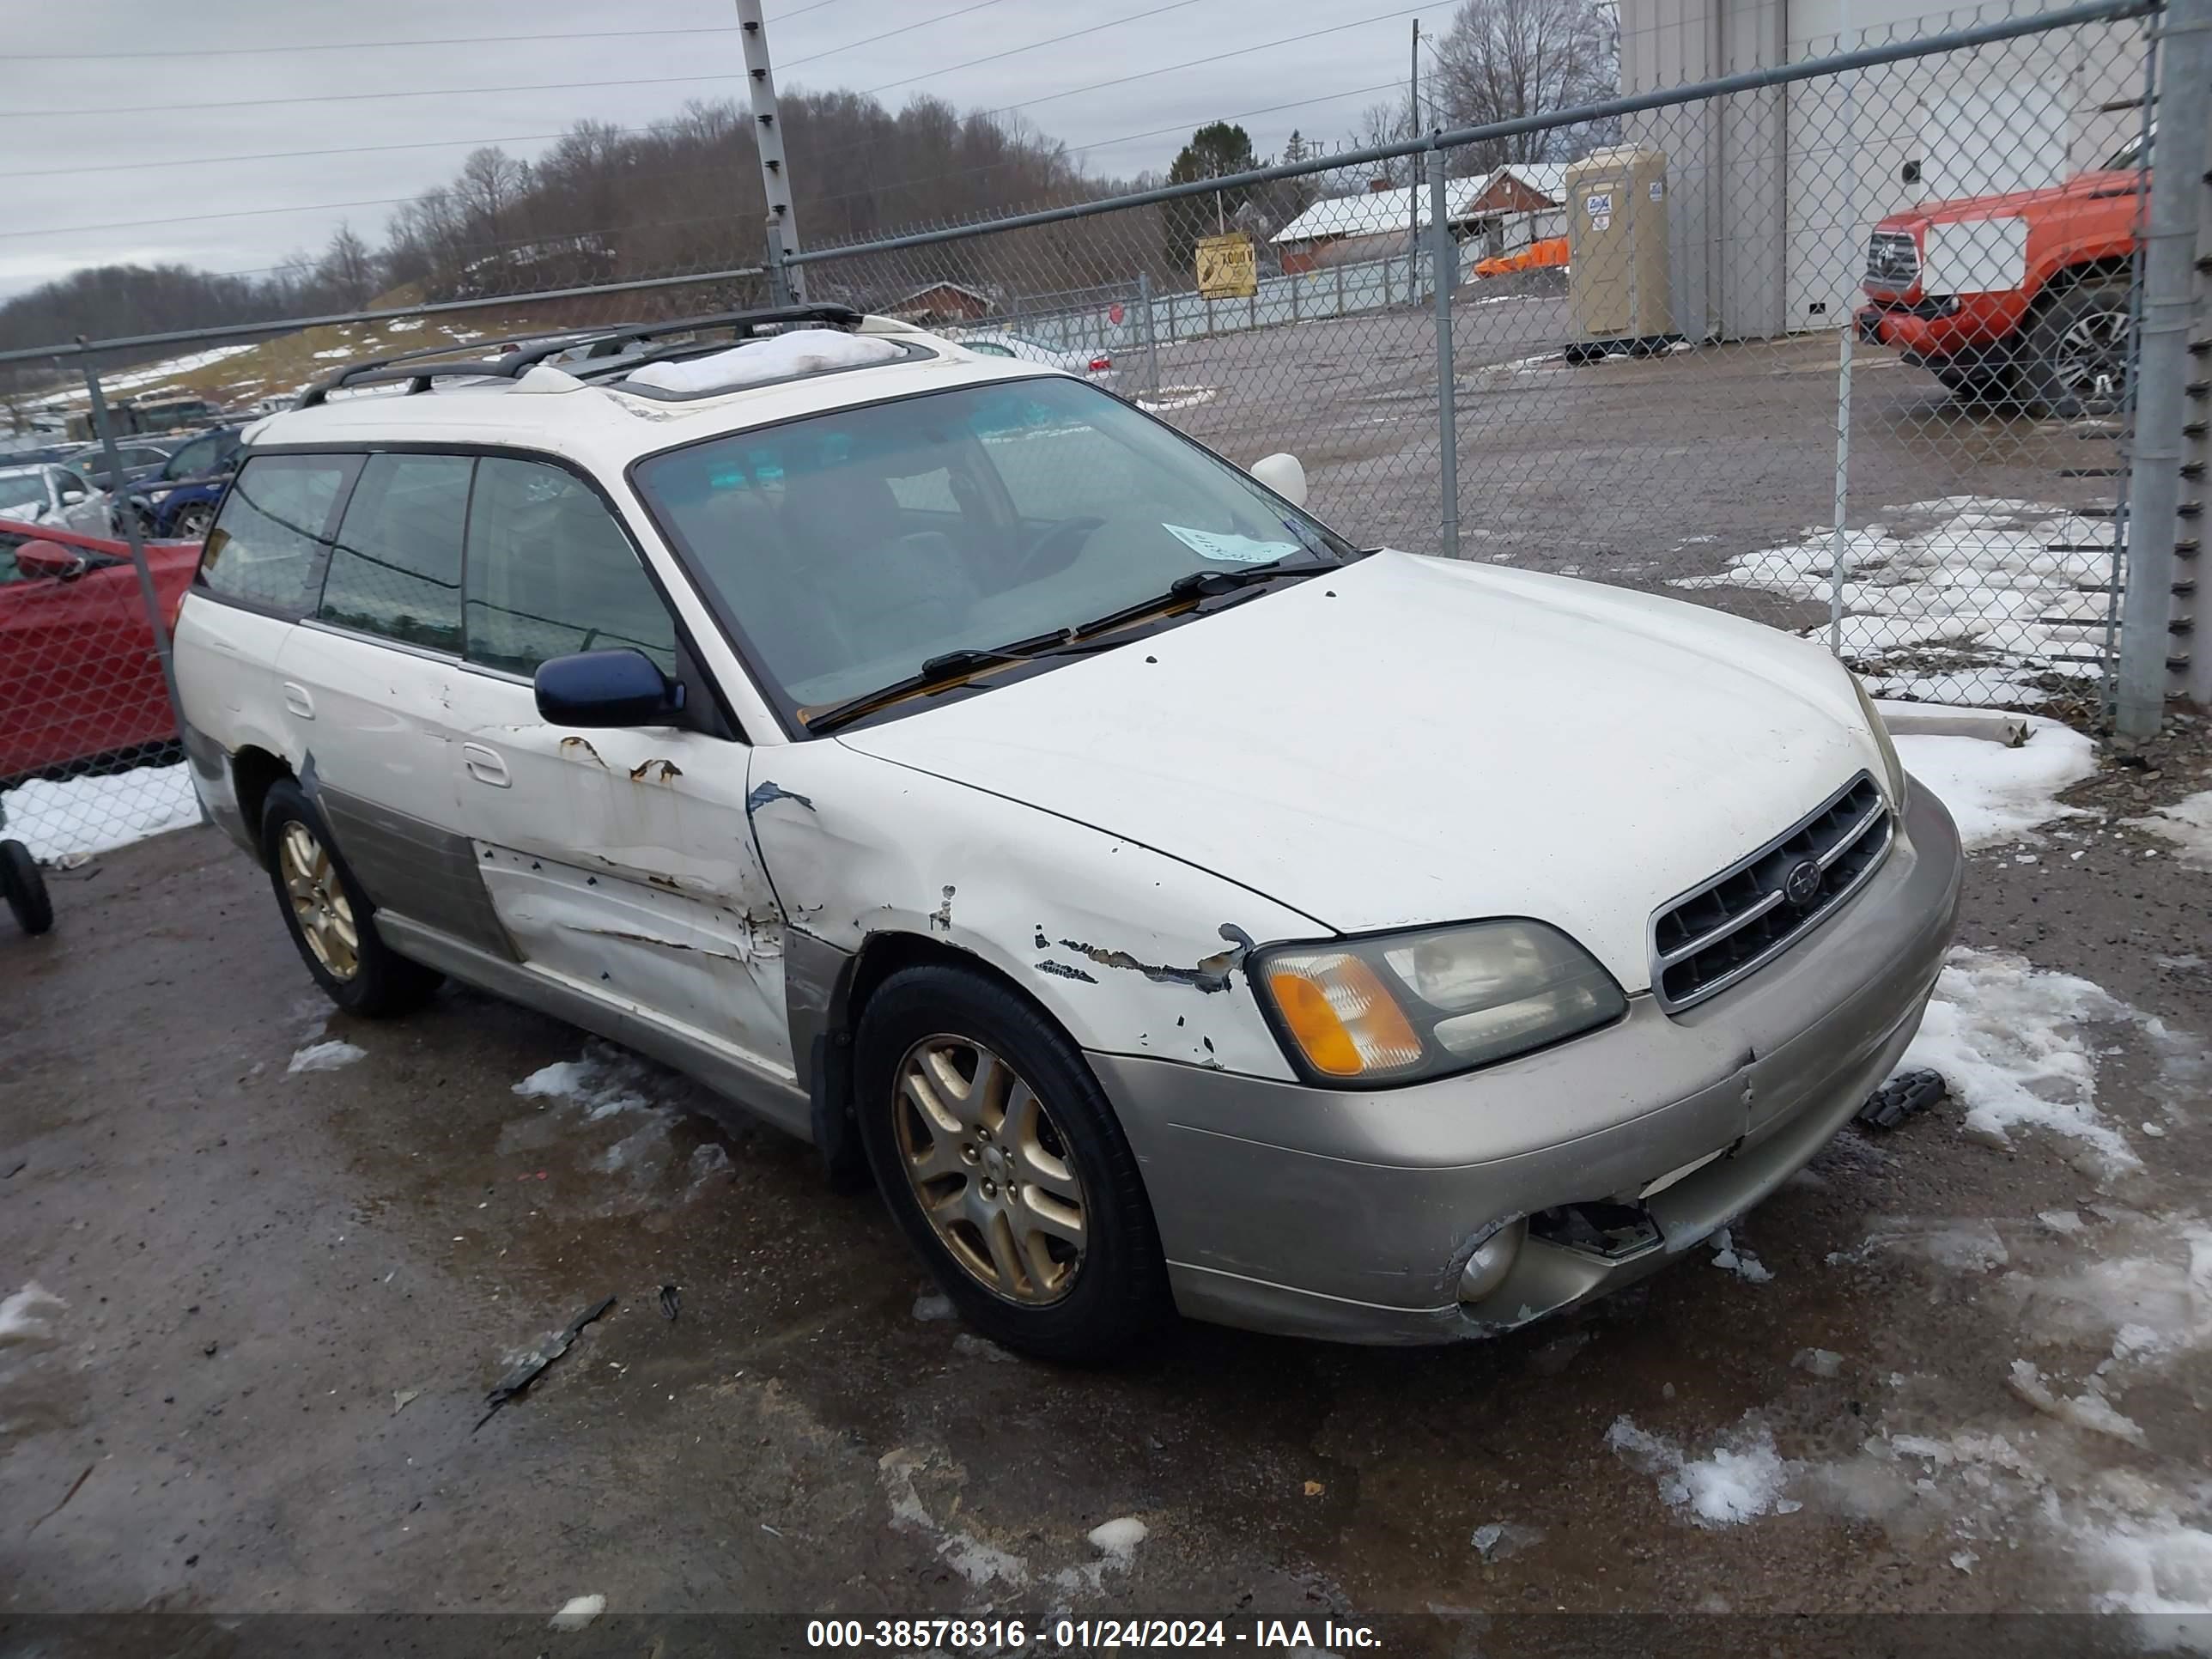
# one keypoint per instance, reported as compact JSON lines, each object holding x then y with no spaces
{"x":317,"y":902}
{"x":990,"y":1168}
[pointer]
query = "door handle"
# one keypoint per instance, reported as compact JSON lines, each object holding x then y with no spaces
{"x":484,"y":765}
{"x":297,"y":700}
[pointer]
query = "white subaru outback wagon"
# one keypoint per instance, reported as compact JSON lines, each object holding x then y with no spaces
{"x":1172,"y":904}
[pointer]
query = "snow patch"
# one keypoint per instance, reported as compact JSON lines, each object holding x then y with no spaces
{"x":2161,"y":1571}
{"x":2188,"y":825}
{"x":578,"y":1612}
{"x":1732,"y":1483}
{"x":604,"y":1082}
{"x":1177,"y":396}
{"x":2090,"y":1411}
{"x":933,"y":1306}
{"x":1995,"y":792}
{"x":1821,"y":1362}
{"x":979,"y":1562}
{"x":1978,"y":582}
{"x":77,"y":818}
{"x":324,"y":1056}
{"x":2009,"y":1039}
{"x":802,"y":351}
{"x":1738,"y":1259}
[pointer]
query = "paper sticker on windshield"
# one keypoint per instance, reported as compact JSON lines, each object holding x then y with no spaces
{"x":1231,"y":549}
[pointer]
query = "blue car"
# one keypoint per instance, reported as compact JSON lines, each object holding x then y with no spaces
{"x":179,"y":502}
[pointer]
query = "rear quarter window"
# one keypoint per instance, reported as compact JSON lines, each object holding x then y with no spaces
{"x":271,"y":543}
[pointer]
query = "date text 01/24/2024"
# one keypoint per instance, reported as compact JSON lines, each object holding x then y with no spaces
{"x":1003,"y":1635}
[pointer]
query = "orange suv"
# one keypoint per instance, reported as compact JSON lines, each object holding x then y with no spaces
{"x":2023,"y":296}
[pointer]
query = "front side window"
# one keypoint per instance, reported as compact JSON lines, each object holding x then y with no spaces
{"x":22,"y":491}
{"x":851,"y":548}
{"x":269,"y":542}
{"x":396,"y":570}
{"x":550,"y":572}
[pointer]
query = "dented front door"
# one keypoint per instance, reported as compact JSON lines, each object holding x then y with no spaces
{"x":620,"y":860}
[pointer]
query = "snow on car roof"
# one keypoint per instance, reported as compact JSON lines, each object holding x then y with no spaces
{"x":607,"y":424}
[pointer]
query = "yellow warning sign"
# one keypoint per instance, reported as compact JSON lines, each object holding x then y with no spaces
{"x":1228,"y":267}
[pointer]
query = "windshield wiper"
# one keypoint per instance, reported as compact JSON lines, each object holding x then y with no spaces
{"x":1201,"y":585}
{"x":951,"y":668}
{"x":941,"y":673}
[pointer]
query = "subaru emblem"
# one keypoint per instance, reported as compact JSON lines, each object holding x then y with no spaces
{"x":1801,"y":884}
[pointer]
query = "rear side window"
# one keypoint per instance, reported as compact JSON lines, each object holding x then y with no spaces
{"x":269,"y":541}
{"x":396,"y":570}
{"x":550,"y":572}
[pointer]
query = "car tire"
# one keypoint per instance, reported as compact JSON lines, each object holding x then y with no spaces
{"x":941,"y":1038}
{"x":331,"y":921}
{"x":26,"y":888}
{"x":2075,"y":359}
{"x":191,"y":522}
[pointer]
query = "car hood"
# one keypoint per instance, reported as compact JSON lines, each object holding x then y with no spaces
{"x":1410,"y":740}
{"x":2097,"y":183}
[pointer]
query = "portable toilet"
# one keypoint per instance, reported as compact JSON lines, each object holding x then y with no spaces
{"x":1617,"y":294}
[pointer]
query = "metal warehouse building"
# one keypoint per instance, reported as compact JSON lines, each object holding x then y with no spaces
{"x":1772,"y":193}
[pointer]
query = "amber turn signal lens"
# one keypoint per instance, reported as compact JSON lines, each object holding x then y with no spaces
{"x":1343,"y":1020}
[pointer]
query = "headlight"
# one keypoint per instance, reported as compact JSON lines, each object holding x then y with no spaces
{"x":1399,"y":1007}
{"x":1892,"y":768}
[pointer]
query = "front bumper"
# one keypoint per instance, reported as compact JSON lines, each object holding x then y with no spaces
{"x":1317,"y":1212}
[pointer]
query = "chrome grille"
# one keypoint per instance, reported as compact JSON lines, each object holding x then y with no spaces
{"x":1893,"y":259}
{"x":1743,"y":918}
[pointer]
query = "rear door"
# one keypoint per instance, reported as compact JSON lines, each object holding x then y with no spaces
{"x":619,"y":860}
{"x":260,"y":571}
{"x":365,"y":682}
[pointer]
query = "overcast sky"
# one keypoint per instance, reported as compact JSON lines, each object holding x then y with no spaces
{"x":216,"y":87}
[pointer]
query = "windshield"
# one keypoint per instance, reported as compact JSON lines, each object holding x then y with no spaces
{"x":22,"y":489}
{"x":2129,"y":158}
{"x":851,"y":548}
{"x":194,"y":459}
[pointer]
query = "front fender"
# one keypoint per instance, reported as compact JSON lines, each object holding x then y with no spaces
{"x":1133,"y":952}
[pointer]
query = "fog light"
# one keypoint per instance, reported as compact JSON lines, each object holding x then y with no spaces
{"x":1493,"y":1259}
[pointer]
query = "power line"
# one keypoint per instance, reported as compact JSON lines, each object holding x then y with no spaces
{"x":363,"y":97}
{"x":372,"y":46}
{"x":1104,"y":143}
{"x":1215,"y":57}
{"x":1016,"y":52}
{"x":367,"y":46}
{"x":906,"y":28}
{"x":294,"y":155}
{"x":1146,"y":74}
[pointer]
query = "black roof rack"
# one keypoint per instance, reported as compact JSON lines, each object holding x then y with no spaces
{"x":418,"y":370}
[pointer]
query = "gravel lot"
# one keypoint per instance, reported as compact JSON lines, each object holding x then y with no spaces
{"x":291,"y":1270}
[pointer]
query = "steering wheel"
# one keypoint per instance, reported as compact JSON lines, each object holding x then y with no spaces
{"x":1067,"y":534}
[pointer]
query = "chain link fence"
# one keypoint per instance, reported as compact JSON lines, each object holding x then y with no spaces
{"x":1666,"y":371}
{"x":89,"y":755}
{"x":1844,"y":344}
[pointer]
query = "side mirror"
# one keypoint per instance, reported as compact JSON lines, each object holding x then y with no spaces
{"x":51,"y":559}
{"x":619,"y":687}
{"x":74,"y":498}
{"x":1281,"y":473}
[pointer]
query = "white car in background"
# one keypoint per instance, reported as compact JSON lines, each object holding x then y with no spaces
{"x":997,"y":342}
{"x":47,"y":494}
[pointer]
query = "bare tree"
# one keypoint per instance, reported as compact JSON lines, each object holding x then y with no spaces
{"x":1503,"y":59}
{"x":1384,"y":123}
{"x":346,"y":273}
{"x":490,"y":185}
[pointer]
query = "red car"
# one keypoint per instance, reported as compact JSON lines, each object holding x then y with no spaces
{"x":78,"y":675}
{"x":2024,"y":294}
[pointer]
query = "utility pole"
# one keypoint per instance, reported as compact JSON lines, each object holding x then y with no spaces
{"x":1419,"y":172}
{"x":786,"y":283}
